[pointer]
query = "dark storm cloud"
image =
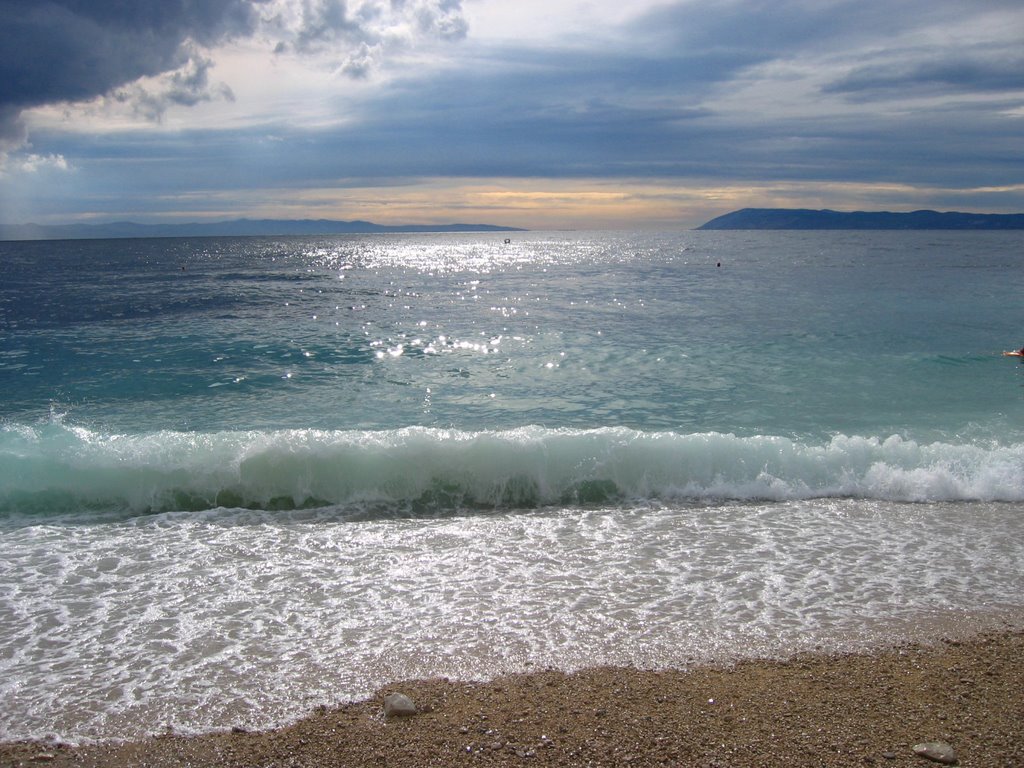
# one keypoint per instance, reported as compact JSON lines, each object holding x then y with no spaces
{"x":68,"y":50}
{"x":64,"y":50}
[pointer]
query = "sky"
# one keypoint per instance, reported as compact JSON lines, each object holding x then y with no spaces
{"x":542,"y":114}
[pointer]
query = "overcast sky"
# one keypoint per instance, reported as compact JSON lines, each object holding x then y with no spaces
{"x":532,"y":113}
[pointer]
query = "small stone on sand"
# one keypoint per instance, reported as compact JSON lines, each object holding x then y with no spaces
{"x":398,"y":705}
{"x":939,"y":751}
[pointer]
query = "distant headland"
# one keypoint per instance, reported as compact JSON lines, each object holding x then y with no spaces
{"x":232,"y":228}
{"x":802,"y":218}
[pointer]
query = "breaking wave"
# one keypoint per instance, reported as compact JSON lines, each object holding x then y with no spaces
{"x":418,"y":471}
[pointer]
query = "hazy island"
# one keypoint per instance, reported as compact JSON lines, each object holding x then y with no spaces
{"x":802,"y":218}
{"x":232,"y":228}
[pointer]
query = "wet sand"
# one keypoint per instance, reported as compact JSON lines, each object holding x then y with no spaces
{"x":810,"y":710}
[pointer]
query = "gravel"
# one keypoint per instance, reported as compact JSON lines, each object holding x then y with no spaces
{"x":809,"y":710}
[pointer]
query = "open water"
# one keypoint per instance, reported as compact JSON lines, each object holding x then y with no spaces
{"x":241,"y":477}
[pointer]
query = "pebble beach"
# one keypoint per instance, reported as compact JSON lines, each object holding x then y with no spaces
{"x":964,"y":696}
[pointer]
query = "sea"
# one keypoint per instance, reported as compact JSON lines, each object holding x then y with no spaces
{"x":241,"y":478}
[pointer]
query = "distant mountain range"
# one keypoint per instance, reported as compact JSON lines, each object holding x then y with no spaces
{"x":801,"y":218}
{"x":233,"y":228}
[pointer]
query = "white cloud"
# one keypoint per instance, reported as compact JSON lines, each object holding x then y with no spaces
{"x":356,"y":37}
{"x":33,"y":163}
{"x":25,"y":174}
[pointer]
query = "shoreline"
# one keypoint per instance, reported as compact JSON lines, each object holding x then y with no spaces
{"x":812,"y":709}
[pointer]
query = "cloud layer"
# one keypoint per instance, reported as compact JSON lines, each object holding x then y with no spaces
{"x":924,"y":103}
{"x":73,"y":50}
{"x":57,"y":51}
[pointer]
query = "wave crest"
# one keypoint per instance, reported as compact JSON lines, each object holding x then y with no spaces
{"x":60,"y":468}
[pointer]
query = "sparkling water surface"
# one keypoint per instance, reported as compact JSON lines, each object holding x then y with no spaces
{"x":795,"y":333}
{"x":240,"y":477}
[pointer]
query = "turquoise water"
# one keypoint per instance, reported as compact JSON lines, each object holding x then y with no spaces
{"x":230,"y":467}
{"x":797,"y":334}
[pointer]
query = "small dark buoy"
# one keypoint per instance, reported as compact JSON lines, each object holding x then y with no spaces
{"x":718,"y":264}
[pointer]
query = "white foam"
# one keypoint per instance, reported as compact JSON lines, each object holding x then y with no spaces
{"x":212,"y":619}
